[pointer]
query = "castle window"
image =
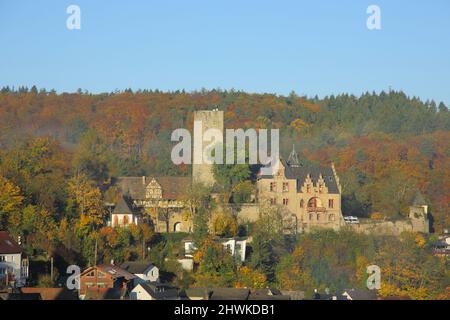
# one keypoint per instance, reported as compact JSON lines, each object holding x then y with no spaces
{"x":308,"y":188}
{"x":285,"y":187}
{"x":313,"y":203}
{"x":320,"y":188}
{"x":330,"y":203}
{"x":318,"y":216}
{"x":302,"y":203}
{"x":273,"y":201}
{"x":285,"y":201}
{"x":273,"y":187}
{"x":310,"y":216}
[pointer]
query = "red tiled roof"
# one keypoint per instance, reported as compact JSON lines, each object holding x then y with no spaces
{"x":7,"y":244}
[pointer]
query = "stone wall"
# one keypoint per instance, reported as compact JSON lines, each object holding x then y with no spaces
{"x":394,"y":228}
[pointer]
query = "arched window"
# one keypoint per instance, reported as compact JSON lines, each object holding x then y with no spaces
{"x":302,"y":203}
{"x":313,"y":202}
{"x":115,"y":221}
{"x":177,"y":227}
{"x":125,"y":220}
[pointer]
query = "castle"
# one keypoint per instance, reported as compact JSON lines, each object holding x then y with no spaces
{"x":311,"y":195}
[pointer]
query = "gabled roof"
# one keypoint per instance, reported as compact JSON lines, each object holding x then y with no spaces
{"x":114,"y":271}
{"x":300,"y":173}
{"x":159,"y":291}
{"x":172,"y":187}
{"x":8,"y":245}
{"x":137,"y":267}
{"x":122,"y":207}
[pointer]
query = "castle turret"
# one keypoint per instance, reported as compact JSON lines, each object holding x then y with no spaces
{"x":418,"y":213}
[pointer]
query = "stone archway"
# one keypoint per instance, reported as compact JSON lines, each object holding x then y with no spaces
{"x":177,"y":227}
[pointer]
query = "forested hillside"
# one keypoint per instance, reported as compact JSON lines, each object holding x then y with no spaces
{"x":385,"y":146}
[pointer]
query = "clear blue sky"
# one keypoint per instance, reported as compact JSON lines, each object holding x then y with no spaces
{"x":312,"y":47}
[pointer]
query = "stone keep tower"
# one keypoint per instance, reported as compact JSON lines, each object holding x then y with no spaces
{"x":203,"y":173}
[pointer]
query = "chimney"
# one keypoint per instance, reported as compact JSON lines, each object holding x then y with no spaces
{"x":143,"y":180}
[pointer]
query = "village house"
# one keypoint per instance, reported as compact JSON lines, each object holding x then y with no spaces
{"x":155,"y":200}
{"x":144,"y":272}
{"x":13,"y":267}
{"x":235,"y":246}
{"x":154,"y":291}
{"x":105,"y":276}
{"x":123,"y":215}
{"x":312,"y":194}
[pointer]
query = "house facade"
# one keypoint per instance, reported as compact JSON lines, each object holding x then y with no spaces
{"x":156,"y":200}
{"x":13,"y":267}
{"x":312,"y":194}
{"x":123,"y":214}
{"x":144,"y":272}
{"x":235,"y":246}
{"x":154,"y":291}
{"x":103,"y":277}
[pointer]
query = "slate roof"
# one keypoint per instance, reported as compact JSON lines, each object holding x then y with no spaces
{"x":116,"y":272}
{"x":8,"y":245}
{"x":300,"y":173}
{"x":123,"y":207}
{"x":160,"y":291}
{"x":136,"y":267}
{"x":267,"y":294}
{"x":172,"y":187}
{"x":230,"y":294}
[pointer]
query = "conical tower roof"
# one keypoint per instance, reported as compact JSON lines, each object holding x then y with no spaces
{"x":122,"y":207}
{"x":293,"y":160}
